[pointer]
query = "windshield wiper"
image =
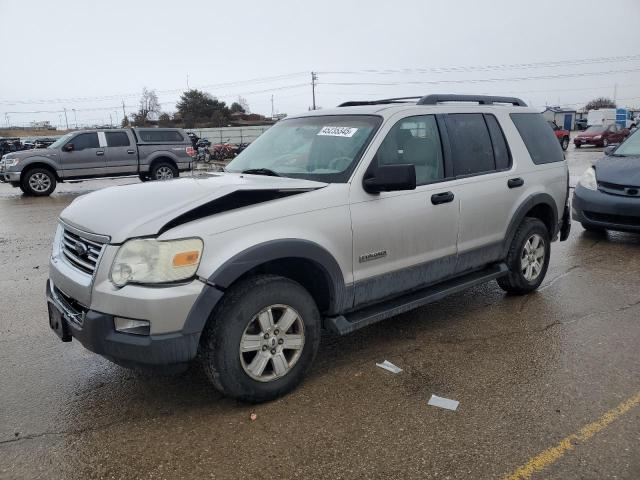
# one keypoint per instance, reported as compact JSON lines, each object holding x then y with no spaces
{"x":261,"y":171}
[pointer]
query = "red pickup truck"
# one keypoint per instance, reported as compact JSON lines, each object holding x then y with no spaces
{"x":561,"y":135}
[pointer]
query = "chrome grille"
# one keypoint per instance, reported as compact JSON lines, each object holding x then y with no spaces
{"x":81,"y":252}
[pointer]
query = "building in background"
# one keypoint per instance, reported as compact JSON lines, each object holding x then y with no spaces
{"x":563,"y":117}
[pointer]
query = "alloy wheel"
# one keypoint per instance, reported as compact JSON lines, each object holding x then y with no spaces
{"x":272,"y":343}
{"x":164,"y":173}
{"x":39,"y":182}
{"x":532,"y":259}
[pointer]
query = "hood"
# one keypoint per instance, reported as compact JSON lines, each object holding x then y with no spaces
{"x":619,"y":170}
{"x":34,"y":152}
{"x":146,"y":209}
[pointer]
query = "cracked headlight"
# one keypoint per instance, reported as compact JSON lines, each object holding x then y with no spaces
{"x":588,"y":179}
{"x":150,"y":261}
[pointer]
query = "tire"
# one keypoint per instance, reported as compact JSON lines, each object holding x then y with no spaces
{"x":593,"y":228}
{"x":521,"y":280}
{"x":243,"y":314}
{"x":38,"y":182}
{"x":578,"y":145}
{"x":565,"y":143}
{"x":164,"y":171}
{"x":143,"y":178}
{"x":605,"y":143}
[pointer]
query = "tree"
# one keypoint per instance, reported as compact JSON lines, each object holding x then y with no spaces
{"x":601,"y":102}
{"x":148,"y":103}
{"x":196,"y":106}
{"x":165,"y":120}
{"x":125,"y":122}
{"x":236,"y":108}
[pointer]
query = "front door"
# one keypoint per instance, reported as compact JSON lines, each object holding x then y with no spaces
{"x":406,"y":239}
{"x":82,"y":156}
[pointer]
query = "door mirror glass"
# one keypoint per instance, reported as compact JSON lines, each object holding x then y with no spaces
{"x":390,"y":178}
{"x":69,"y":147}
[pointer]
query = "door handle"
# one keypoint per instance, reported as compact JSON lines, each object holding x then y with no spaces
{"x":100,"y":152}
{"x":515,"y":182}
{"x":444,"y":197}
{"x":131,"y":151}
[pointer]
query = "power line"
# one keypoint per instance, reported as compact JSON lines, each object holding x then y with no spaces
{"x":478,"y":68}
{"x":485,"y":80}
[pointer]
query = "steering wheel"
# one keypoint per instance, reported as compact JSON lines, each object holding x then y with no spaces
{"x":333,"y":164}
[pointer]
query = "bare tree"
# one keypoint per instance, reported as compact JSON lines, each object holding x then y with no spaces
{"x":601,"y":102}
{"x":148,"y":103}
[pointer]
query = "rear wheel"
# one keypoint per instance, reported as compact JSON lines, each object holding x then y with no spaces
{"x":605,"y":142}
{"x":565,"y":143}
{"x":164,"y":171}
{"x":38,"y":182}
{"x":528,"y":258}
{"x":262,"y":339}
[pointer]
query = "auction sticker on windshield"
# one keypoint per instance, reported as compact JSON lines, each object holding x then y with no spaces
{"x":338,"y":131}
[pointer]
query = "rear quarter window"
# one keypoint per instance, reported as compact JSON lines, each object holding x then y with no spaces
{"x":542,"y":144}
{"x":161,"y":136}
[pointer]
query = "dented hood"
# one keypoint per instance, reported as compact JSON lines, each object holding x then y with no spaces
{"x":143,"y":209}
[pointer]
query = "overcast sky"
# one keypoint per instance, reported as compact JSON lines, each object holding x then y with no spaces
{"x":61,"y":54}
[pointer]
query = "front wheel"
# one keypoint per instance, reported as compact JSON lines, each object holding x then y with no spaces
{"x":38,"y":182}
{"x":565,"y":143}
{"x":528,"y":258}
{"x":605,"y":143}
{"x":262,"y":339}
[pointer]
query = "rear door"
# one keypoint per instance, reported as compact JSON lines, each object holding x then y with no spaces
{"x":87,"y":157}
{"x":121,"y":153}
{"x":484,"y":185}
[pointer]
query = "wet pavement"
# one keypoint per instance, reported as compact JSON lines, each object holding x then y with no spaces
{"x":528,"y":372}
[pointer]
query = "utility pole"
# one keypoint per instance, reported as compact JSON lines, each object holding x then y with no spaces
{"x":75,"y":116}
{"x":188,"y":82}
{"x":615,"y":93}
{"x":6,"y":116}
{"x":65,"y":118}
{"x":314,"y":79}
{"x":124,"y":114}
{"x":272,"y":111}
{"x":111,"y":120}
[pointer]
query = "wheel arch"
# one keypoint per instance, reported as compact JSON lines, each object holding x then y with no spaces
{"x":162,"y":158}
{"x":541,"y":206}
{"x":41,"y":164}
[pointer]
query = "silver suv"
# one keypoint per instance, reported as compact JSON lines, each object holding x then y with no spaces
{"x":330,"y":220}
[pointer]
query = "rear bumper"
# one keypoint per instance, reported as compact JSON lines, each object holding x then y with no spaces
{"x":598,"y":209}
{"x":96,"y":332}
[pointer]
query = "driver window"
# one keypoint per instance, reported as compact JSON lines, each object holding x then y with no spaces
{"x":414,"y":140}
{"x":84,"y":141}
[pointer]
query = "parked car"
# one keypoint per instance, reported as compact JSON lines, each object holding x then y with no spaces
{"x":607,"y":196}
{"x":601,"y":136}
{"x":43,"y":142}
{"x":581,"y":123}
{"x":561,"y":134}
{"x":389,"y":205}
{"x":151,"y":153}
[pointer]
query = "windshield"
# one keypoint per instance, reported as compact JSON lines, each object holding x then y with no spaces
{"x":631,"y":146}
{"x":595,"y":129}
{"x":323,"y":148}
{"x":59,"y":142}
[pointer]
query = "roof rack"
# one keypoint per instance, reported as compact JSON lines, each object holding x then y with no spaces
{"x":481,"y":99}
{"x":356,"y":103}
{"x":434,"y":99}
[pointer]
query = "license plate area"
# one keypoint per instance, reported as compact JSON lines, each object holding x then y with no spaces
{"x":58,"y":323}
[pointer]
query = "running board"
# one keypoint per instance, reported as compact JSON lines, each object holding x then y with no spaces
{"x":351,"y":322}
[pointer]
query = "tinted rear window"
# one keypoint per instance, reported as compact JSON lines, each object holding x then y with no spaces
{"x":153,"y":136}
{"x":542,"y":144}
{"x":500,"y":149}
{"x":117,"y":139}
{"x":470,"y":144}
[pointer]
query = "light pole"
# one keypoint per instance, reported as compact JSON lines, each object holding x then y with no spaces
{"x":75,"y":117}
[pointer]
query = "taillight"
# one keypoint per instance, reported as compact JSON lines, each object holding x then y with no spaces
{"x":191,"y":151}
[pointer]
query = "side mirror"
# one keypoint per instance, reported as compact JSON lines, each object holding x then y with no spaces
{"x":69,"y":147}
{"x":390,"y":178}
{"x":609,"y":150}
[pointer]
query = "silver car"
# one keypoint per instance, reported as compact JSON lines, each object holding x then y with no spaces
{"x":330,"y":220}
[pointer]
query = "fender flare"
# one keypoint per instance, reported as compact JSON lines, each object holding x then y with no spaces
{"x":31,"y":161}
{"x":530,"y":202}
{"x":241,"y":263}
